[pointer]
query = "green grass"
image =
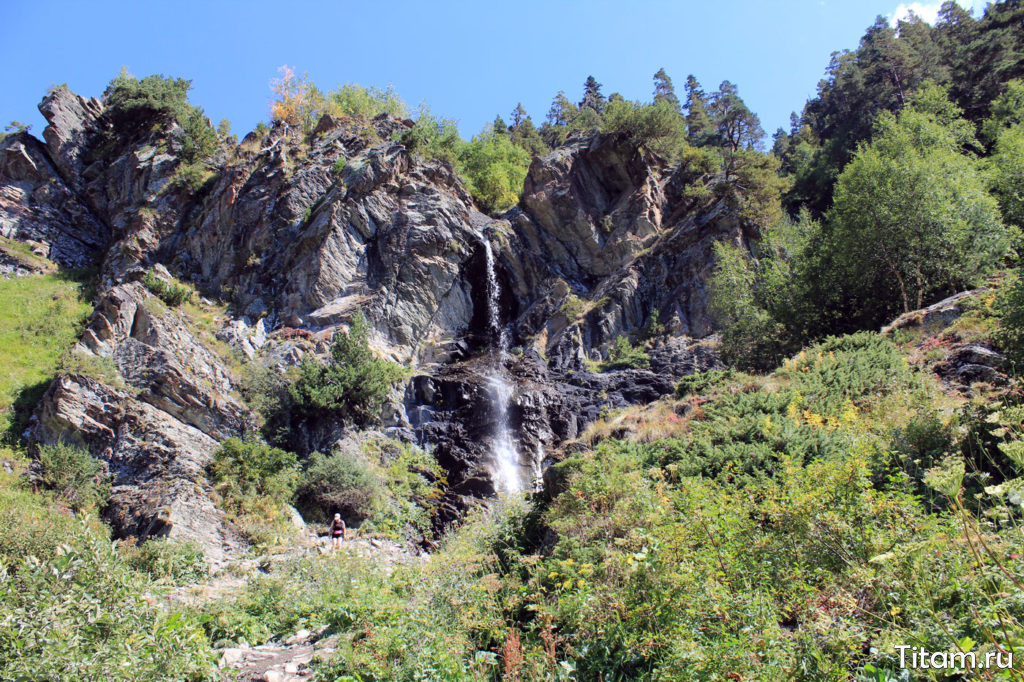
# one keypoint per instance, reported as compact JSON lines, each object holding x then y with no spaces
{"x":22,"y":252}
{"x":41,"y":316}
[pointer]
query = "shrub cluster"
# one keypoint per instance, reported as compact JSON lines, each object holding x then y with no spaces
{"x":624,"y":355}
{"x":135,"y":105}
{"x":353,"y":387}
{"x":75,"y":476}
{"x":172,"y":293}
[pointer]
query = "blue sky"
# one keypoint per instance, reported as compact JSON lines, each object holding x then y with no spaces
{"x":468,"y":60}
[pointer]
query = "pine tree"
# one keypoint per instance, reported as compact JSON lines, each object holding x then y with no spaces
{"x":592,"y":97}
{"x":698,"y":123}
{"x":562,"y":110}
{"x":499,"y":126}
{"x":664,"y":90}
{"x":518,"y":115}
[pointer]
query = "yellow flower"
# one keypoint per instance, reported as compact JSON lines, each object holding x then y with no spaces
{"x":813,"y":419}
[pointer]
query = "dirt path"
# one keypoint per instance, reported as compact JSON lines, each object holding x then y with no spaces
{"x":286,"y":660}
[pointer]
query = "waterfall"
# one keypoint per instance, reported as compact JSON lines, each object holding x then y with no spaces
{"x":505,"y":467}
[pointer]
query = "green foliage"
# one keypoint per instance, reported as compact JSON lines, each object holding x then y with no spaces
{"x":339,"y":167}
{"x":170,"y":561}
{"x":199,"y":140}
{"x":14,"y":128}
{"x":573,"y":308}
{"x":759,"y":304}
{"x":976,"y":57}
{"x":657,"y":126}
{"x":254,"y":469}
{"x":83,"y":613}
{"x":912,"y":217}
{"x":74,"y":475}
{"x":136,"y":103}
{"x":336,"y":484}
{"x":1007,"y":165}
{"x":653,"y":328}
{"x":494,"y":168}
{"x":299,"y":102}
{"x":390,"y":487}
{"x":1010,"y":334}
{"x":702,"y":382}
{"x":256,"y":482}
{"x":352,"y":387}
{"x":624,"y":355}
{"x":33,"y":525}
{"x":352,"y":99}
{"x":912,"y":221}
{"x":41,"y":316}
{"x":172,"y":293}
{"x":433,"y":138}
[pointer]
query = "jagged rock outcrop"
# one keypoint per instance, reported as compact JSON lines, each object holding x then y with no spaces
{"x":151,"y":401}
{"x":37,"y":206}
{"x":606,"y":228}
{"x":962,"y":362}
{"x":293,"y":232}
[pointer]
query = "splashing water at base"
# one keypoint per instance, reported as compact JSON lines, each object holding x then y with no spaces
{"x":506,"y":458}
{"x":505,"y":468}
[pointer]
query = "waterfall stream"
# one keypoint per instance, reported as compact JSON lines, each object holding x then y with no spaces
{"x":505,"y":467}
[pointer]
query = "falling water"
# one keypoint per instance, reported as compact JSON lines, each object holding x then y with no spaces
{"x":505,"y":467}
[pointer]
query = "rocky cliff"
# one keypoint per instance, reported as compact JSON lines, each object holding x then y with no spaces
{"x":291,"y":233}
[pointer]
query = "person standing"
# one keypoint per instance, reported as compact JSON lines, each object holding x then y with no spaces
{"x":337,"y":531}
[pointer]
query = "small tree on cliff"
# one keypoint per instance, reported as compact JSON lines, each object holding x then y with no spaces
{"x":353,"y":386}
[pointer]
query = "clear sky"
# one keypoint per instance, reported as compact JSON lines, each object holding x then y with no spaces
{"x":469,"y":60}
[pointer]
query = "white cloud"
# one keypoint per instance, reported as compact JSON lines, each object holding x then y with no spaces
{"x":929,"y":11}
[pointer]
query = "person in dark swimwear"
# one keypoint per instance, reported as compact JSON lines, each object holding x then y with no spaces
{"x":337,"y":531}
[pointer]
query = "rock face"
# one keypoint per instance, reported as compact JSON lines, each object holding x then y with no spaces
{"x":36,"y":205}
{"x":153,"y":403}
{"x":294,"y":233}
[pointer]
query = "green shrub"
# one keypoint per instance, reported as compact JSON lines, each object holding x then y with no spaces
{"x":199,"y":139}
{"x":573,"y":308}
{"x":624,"y":355}
{"x":172,"y":293}
{"x":84,"y":614}
{"x":256,"y":482}
{"x":339,"y":167}
{"x":412,"y":485}
{"x":354,"y":100}
{"x":134,"y":102}
{"x":172,"y":561}
{"x":433,"y":138}
{"x":392,"y":488}
{"x":494,"y":168}
{"x":72,"y":474}
{"x":135,"y":105}
{"x":253,"y":468}
{"x":338,"y":483}
{"x":702,"y":382}
{"x":1010,"y":311}
{"x":658,"y":126}
{"x":353,"y":386}
{"x":32,"y":526}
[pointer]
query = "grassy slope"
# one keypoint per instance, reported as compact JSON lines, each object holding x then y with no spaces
{"x":41,"y":316}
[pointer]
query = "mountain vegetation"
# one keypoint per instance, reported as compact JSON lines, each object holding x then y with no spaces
{"x":781,"y":428}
